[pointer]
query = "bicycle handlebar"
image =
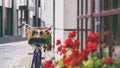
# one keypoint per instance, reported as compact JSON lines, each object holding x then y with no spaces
{"x":37,"y":41}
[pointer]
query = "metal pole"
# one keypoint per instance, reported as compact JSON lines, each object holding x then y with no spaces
{"x":77,"y":19}
{"x":81,"y":25}
{"x":54,"y":22}
{"x":110,"y":36}
{"x":100,"y":30}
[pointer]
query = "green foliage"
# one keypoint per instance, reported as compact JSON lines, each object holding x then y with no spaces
{"x":48,"y":38}
{"x":116,"y":63}
{"x":93,"y":63}
{"x":60,"y":63}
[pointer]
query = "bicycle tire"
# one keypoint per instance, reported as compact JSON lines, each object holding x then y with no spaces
{"x":34,"y":63}
{"x":39,"y":59}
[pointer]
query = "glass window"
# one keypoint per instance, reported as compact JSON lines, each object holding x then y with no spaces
{"x":117,"y":37}
{"x":118,"y":3}
{"x":8,"y":28}
{"x":106,"y":4}
{"x":115,"y":4}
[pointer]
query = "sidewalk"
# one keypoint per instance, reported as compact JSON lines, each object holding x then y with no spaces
{"x":19,"y":55}
{"x":15,"y":55}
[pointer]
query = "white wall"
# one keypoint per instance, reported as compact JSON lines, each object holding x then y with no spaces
{"x":48,"y":12}
{"x":65,"y":17}
{"x":97,"y":6}
{"x":0,"y":2}
{"x":70,"y":14}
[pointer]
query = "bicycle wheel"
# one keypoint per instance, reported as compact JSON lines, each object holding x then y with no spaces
{"x":34,"y":63}
{"x":38,"y":59}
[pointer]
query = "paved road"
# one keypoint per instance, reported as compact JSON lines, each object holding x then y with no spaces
{"x":12,"y":55}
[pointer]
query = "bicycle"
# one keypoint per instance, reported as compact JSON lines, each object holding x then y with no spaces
{"x":37,"y":42}
{"x":37,"y":54}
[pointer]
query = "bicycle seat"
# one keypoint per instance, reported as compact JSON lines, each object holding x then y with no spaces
{"x":36,"y":41}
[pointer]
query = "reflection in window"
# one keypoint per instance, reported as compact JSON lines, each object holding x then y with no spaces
{"x":106,"y":4}
{"x":115,"y":4}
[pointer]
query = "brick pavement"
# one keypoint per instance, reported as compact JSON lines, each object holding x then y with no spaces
{"x":15,"y":55}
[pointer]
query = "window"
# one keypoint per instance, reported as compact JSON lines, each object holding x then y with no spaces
{"x":106,"y":4}
{"x":8,"y":28}
{"x":115,"y":4}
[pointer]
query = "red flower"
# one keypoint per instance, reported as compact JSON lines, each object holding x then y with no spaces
{"x":48,"y":47}
{"x":63,"y":51}
{"x":68,"y":42}
{"x":58,"y":42}
{"x":92,"y":46}
{"x":75,"y":53}
{"x":59,"y":48}
{"x":49,"y":64}
{"x":76,"y":43}
{"x":93,"y":37}
{"x":72,"y":34}
{"x":83,"y":55}
{"x":75,"y":62}
{"x":108,"y":60}
{"x":106,"y":33}
{"x":67,"y":61}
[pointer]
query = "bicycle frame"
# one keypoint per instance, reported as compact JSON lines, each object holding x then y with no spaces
{"x":36,"y":62}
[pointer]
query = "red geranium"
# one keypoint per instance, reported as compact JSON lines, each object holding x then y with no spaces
{"x":108,"y":60}
{"x":76,"y":43}
{"x":58,"y":42}
{"x":48,"y":47}
{"x":92,"y":46}
{"x":93,"y":37}
{"x":83,"y":55}
{"x":68,"y":42}
{"x":49,"y":64}
{"x":72,"y":34}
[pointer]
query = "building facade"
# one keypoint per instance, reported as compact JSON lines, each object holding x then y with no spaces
{"x":13,"y":13}
{"x":85,"y":16}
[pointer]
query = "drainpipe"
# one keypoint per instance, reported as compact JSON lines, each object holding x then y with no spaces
{"x":54,"y":23}
{"x":77,"y":19}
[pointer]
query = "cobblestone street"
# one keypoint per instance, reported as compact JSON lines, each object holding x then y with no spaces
{"x":12,"y":55}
